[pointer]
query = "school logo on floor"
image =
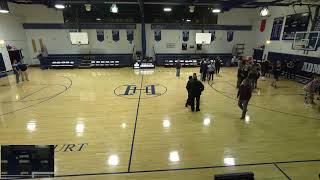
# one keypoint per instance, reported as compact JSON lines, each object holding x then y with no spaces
{"x":133,"y":91}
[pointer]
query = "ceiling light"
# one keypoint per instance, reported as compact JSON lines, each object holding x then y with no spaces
{"x":167,"y":9}
{"x":98,"y":19}
{"x":188,"y":20}
{"x":87,"y":7}
{"x":264,"y":12}
{"x":191,"y":9}
{"x":216,"y":10}
{"x":114,"y":8}
{"x":59,"y":6}
{"x":4,"y":8}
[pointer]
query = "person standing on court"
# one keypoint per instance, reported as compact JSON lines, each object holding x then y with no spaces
{"x":204,"y":70}
{"x":16,"y":70}
{"x":244,"y":95}
{"x":211,"y":69}
{"x":276,"y":73}
{"x":178,"y":67}
{"x":290,"y":67}
{"x":196,"y":88}
{"x":218,"y":65}
{"x":188,"y":87}
{"x":23,"y":71}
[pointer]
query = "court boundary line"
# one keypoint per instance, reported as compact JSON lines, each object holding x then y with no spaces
{"x":38,"y":99}
{"x":281,"y":171}
{"x":45,"y":100}
{"x":135,"y":126}
{"x":181,"y":169}
{"x":30,"y":94}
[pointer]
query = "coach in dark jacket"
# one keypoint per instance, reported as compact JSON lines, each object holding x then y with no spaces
{"x":196,"y":88}
{"x":204,"y":70}
{"x":244,"y":95}
{"x":189,"y":91}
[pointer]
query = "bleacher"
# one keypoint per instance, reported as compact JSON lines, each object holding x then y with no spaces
{"x":190,"y":60}
{"x":97,"y":60}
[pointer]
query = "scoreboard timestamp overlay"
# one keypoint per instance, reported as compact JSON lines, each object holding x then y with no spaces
{"x":27,"y":161}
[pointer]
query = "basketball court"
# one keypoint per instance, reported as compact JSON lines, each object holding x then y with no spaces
{"x":105,"y":99}
{"x":100,"y":134}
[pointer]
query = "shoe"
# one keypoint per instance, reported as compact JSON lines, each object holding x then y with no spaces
{"x":198,"y":110}
{"x":242,"y":117}
{"x":192,"y":110}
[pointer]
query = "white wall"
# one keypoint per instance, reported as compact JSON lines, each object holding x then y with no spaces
{"x":57,"y":41}
{"x":220,"y":45}
{"x":12,"y":32}
{"x":6,"y":58}
{"x":282,"y":46}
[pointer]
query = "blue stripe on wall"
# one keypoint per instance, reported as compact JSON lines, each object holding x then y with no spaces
{"x":74,"y":26}
{"x":201,"y":27}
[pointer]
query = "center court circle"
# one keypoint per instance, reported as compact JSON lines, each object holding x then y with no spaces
{"x":133,"y":91}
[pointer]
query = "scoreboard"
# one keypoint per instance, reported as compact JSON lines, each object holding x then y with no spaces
{"x":295,"y":23}
{"x":316,"y":26}
{"x":25,"y":161}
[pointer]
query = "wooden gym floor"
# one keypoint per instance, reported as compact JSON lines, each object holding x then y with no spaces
{"x":100,"y":133}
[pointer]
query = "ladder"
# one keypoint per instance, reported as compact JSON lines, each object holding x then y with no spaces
{"x":238,"y":50}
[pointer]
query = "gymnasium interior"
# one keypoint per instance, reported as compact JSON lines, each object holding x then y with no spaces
{"x":103,"y":92}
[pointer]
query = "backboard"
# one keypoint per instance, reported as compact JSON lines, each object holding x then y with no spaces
{"x":308,"y":41}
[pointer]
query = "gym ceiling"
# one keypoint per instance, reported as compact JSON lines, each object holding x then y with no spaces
{"x":132,"y":11}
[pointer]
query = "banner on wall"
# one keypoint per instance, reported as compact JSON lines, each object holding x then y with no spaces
{"x":100,"y":35}
{"x":277,"y":28}
{"x":130,"y":35}
{"x":115,"y":35}
{"x":185,"y":35}
{"x":230,"y":35}
{"x":213,"y":35}
{"x":263,"y":25}
{"x":157,"y":35}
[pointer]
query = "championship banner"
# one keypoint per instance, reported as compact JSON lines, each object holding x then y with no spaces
{"x":263,"y":25}
{"x":213,"y":35}
{"x":157,"y":35}
{"x":185,"y":36}
{"x":130,"y":35}
{"x":230,"y":35}
{"x":277,"y":28}
{"x":100,"y":35}
{"x":115,"y":35}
